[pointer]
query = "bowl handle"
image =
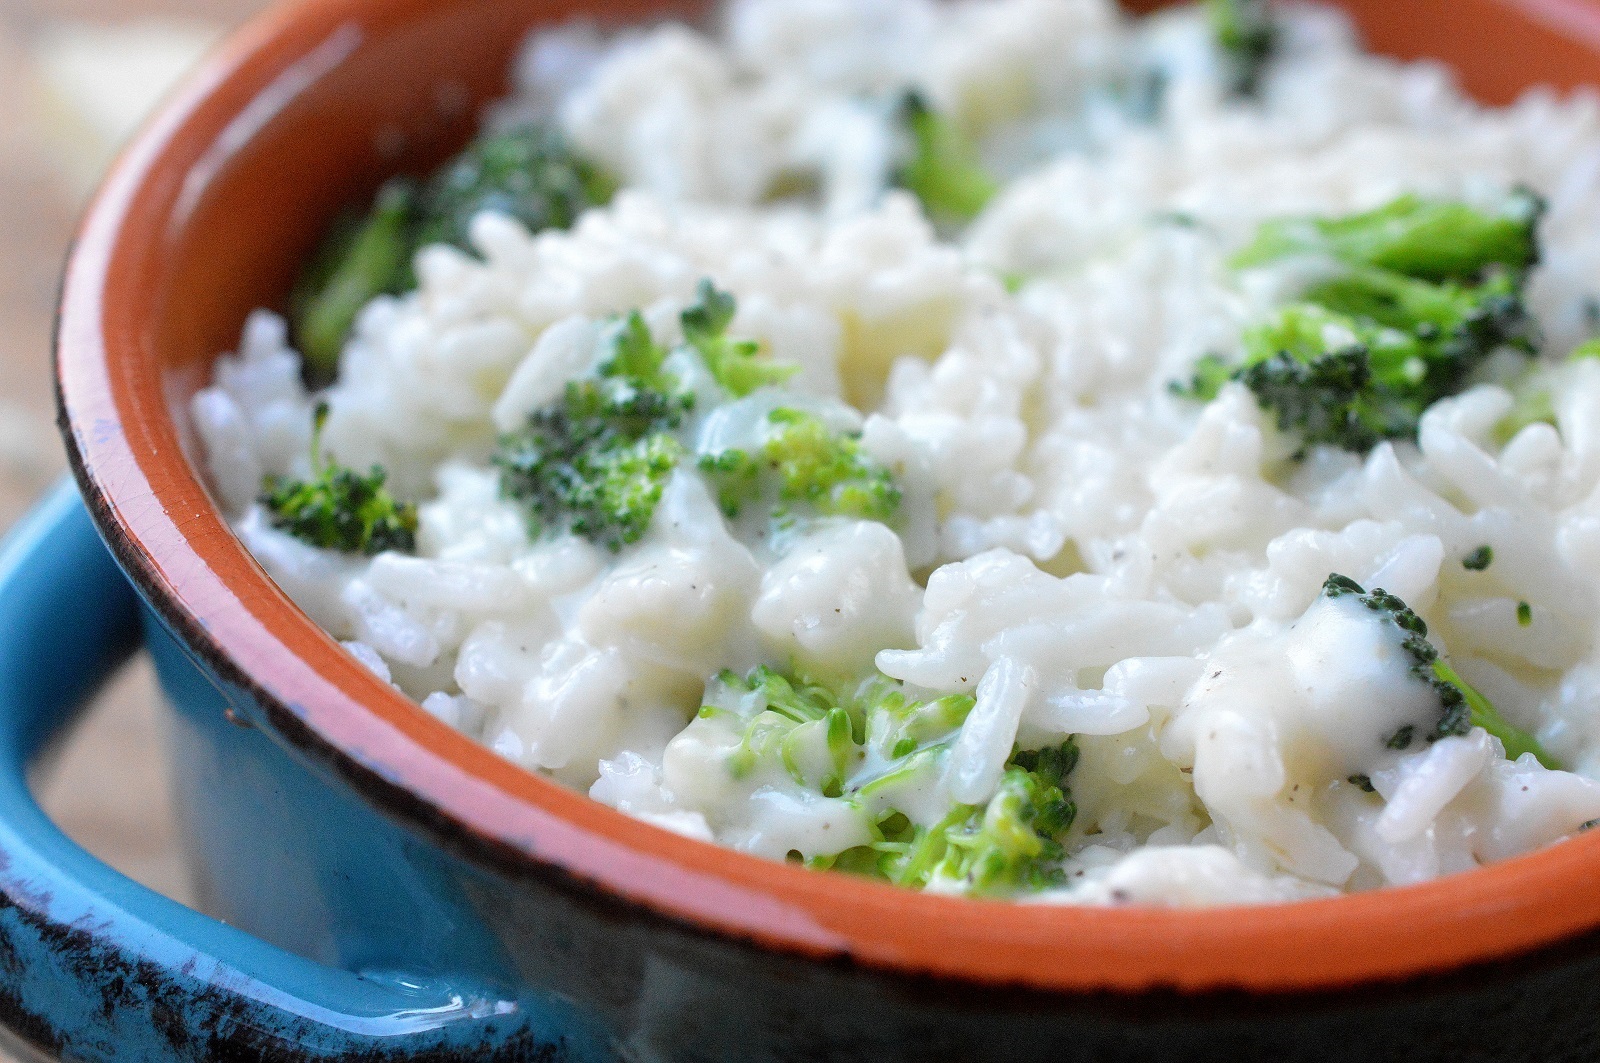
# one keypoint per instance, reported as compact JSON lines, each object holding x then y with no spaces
{"x":94,"y":966}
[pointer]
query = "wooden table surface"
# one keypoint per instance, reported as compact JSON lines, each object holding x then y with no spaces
{"x":108,"y":786}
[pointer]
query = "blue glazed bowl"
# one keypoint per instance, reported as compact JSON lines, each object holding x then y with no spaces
{"x":382,"y":888}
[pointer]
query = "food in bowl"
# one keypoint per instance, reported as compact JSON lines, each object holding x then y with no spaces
{"x":1003,"y":448}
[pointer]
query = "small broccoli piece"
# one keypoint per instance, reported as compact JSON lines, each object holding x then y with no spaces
{"x":1427,"y":339}
{"x":1455,"y":715}
{"x":1524,"y":614}
{"x":1479,"y":559}
{"x":359,"y":261}
{"x":826,"y":469}
{"x":1461,"y":706}
{"x":802,"y":461}
{"x":1401,"y":325}
{"x":1426,"y":239}
{"x":943,"y":169}
{"x":1210,"y":373}
{"x":338,"y":508}
{"x":874,"y":746}
{"x":1534,"y":402}
{"x":597,"y":462}
{"x":803,"y":726}
{"x":1322,"y":397}
{"x":1515,"y":740}
{"x":620,"y":489}
{"x":1314,"y":369}
{"x":734,"y":363}
{"x":899,"y":726}
{"x":1536,"y":406}
{"x":1010,"y":844}
{"x":530,"y":174}
{"x":636,"y":360}
{"x":1246,"y":36}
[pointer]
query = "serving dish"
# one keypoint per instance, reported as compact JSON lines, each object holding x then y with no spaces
{"x":390,"y":889}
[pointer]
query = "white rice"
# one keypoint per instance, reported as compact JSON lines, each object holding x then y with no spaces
{"x":1085,"y":552}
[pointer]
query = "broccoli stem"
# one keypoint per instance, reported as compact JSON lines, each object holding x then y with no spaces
{"x":943,"y":170}
{"x":359,"y":262}
{"x":1485,"y":715}
{"x":1424,"y":294}
{"x":1246,"y":36}
{"x":529,"y":174}
{"x":793,"y":729}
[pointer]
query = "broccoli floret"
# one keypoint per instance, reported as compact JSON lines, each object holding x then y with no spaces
{"x":1211,"y":371}
{"x":1461,"y":706}
{"x":1479,"y":559}
{"x":1432,"y":240}
{"x":943,"y":169}
{"x":1313,"y":368}
{"x":801,"y":460}
{"x":1426,"y":339}
{"x":735,"y":364}
{"x":803,"y":726}
{"x":1010,"y":844}
{"x":1246,"y":36}
{"x":873,"y":746}
{"x":530,"y":174}
{"x":338,"y":508}
{"x":1351,"y":375}
{"x":596,"y":462}
{"x":1402,"y":324}
{"x":1322,"y":396}
{"x":1586,"y":349}
{"x":1016,"y":844}
{"x":1534,"y":403}
{"x":826,"y":469}
{"x":359,"y":261}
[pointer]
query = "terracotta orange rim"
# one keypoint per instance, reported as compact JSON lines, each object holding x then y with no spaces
{"x":161,"y":522}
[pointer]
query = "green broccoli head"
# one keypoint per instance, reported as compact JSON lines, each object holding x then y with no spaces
{"x":803,"y":727}
{"x":1246,"y":36}
{"x":1432,"y":240}
{"x":360,"y":260}
{"x":735,"y":364}
{"x":338,"y":508}
{"x":943,"y":169}
{"x":1012,"y":844}
{"x":825,"y":469}
{"x":1461,"y":707}
{"x":876,"y":747}
{"x":802,"y":461}
{"x":596,"y":463}
{"x":530,"y":174}
{"x":1325,"y":395}
{"x":1412,"y":310}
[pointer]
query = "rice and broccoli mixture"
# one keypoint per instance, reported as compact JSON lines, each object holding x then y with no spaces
{"x":1000,"y":447}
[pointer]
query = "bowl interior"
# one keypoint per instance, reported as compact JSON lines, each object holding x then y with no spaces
{"x":341,"y":118}
{"x":207,"y":217}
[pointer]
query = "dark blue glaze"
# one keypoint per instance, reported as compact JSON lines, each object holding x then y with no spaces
{"x":372,"y":943}
{"x":95,"y":967}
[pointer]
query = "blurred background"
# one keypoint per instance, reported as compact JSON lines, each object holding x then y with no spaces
{"x":76,"y":78}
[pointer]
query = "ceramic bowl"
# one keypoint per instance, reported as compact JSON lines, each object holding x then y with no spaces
{"x":387,"y":889}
